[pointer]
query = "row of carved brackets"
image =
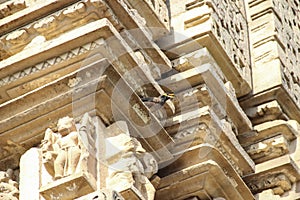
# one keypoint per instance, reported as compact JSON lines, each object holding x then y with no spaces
{"x":199,"y":67}
{"x":31,"y":13}
{"x":203,"y":135}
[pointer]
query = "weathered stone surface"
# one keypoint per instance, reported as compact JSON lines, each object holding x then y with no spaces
{"x":102,"y":195}
{"x":61,"y":98}
{"x":206,"y":74}
{"x":265,"y":112}
{"x":271,"y":194}
{"x":53,"y":26}
{"x":71,"y":187}
{"x":219,"y":26}
{"x":205,"y":176}
{"x":8,"y":187}
{"x":278,"y":174}
{"x":132,"y":21}
{"x":30,"y":173}
{"x":78,"y":44}
{"x":289,"y":129}
{"x":273,"y":28}
{"x":268,"y":149}
{"x":129,"y":167}
{"x":120,"y":161}
{"x":288,"y":106}
{"x":155,"y":13}
{"x":67,"y":58}
{"x":202,"y":126}
{"x":32,"y":11}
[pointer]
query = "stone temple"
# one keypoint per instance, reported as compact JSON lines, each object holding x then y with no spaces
{"x":149,"y":99}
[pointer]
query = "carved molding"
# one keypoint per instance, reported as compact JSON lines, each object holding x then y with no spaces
{"x":268,"y":149}
{"x":52,"y":61}
{"x":280,"y":183}
{"x":54,"y":25}
{"x":201,"y":177}
{"x":11,"y":7}
{"x":265,"y":112}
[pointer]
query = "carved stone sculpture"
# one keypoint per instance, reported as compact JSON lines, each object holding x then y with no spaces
{"x":8,"y":187}
{"x":68,"y":162}
{"x":62,"y":150}
{"x":130,"y":166}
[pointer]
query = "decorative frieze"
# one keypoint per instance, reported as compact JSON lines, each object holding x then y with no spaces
{"x":268,"y":149}
{"x":280,"y":183}
{"x":54,"y":25}
{"x":278,"y":174}
{"x":230,"y":28}
{"x":11,"y":7}
{"x":52,"y":61}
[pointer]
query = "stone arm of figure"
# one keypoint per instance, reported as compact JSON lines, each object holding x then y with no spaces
{"x":49,"y":145}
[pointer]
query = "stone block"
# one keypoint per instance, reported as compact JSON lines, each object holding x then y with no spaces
{"x":265,"y":112}
{"x":203,"y":126}
{"x":268,"y":149}
{"x":135,"y":24}
{"x":206,"y":177}
{"x":68,"y":188}
{"x":155,"y":13}
{"x":30,"y":166}
{"x":279,"y":174}
{"x":103,"y":194}
{"x":289,"y":129}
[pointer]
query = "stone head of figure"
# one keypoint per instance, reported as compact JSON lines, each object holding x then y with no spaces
{"x":66,"y":125}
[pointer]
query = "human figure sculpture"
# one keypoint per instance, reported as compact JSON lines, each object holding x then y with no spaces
{"x":62,"y":150}
{"x":134,"y":167}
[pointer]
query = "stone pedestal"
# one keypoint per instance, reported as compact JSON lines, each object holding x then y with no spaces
{"x":69,"y":188}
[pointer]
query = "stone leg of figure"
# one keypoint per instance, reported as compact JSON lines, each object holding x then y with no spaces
{"x":60,"y":164}
{"x":73,"y":159}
